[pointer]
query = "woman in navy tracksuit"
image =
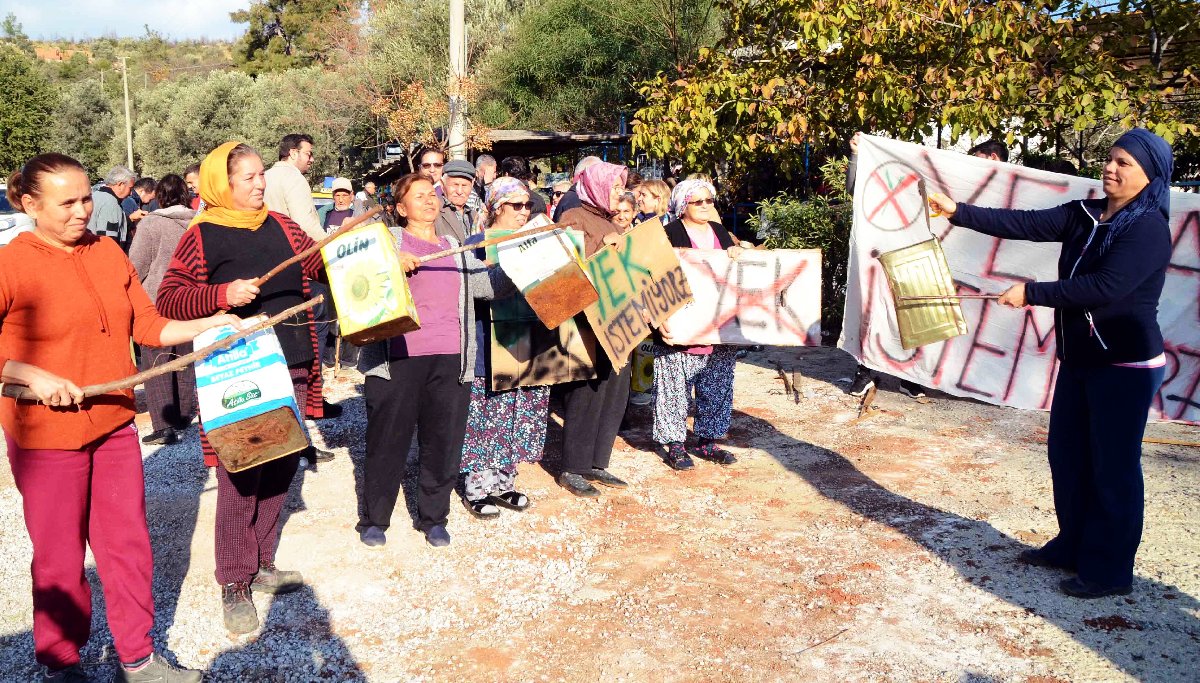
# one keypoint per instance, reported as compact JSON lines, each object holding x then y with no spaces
{"x":1111,"y":273}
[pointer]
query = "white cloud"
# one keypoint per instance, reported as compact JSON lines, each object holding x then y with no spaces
{"x":177,"y":19}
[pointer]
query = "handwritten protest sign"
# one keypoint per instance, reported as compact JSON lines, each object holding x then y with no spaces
{"x":764,"y":297}
{"x":1008,"y":356}
{"x":639,"y":273}
{"x":548,"y":270}
{"x":523,"y":352}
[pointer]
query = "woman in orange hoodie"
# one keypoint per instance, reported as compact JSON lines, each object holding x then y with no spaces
{"x":69,"y":304}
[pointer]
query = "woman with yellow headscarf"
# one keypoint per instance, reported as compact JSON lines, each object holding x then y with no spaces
{"x":228,"y":245}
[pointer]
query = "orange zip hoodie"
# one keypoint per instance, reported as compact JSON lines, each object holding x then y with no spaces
{"x":71,"y":313}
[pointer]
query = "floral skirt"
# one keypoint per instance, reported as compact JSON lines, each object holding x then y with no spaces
{"x":504,"y":427}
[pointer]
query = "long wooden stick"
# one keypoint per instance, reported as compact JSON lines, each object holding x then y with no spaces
{"x":22,"y":393}
{"x":937,"y":297}
{"x":1172,"y":442}
{"x":488,"y":243}
{"x":346,"y":227}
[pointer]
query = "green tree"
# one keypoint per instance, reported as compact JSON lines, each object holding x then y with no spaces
{"x":569,"y":64}
{"x":28,"y":103}
{"x":14,"y":34}
{"x":84,"y":126}
{"x":284,"y":34}
{"x":789,"y":73}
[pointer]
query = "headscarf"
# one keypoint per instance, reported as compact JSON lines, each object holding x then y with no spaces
{"x":501,"y":191}
{"x":216,"y":195}
{"x":683,"y":193}
{"x":595,"y":184}
{"x":1153,"y":154}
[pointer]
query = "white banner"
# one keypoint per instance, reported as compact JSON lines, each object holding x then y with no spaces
{"x":1007,"y":357}
{"x":764,"y":297}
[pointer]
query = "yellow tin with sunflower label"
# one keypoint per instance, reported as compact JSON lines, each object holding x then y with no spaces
{"x":369,"y":287}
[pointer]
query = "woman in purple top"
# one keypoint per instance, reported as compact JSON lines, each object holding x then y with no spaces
{"x":422,"y":380}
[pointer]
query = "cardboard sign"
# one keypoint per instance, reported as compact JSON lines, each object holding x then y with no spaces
{"x":1008,"y":356}
{"x":370,"y":290}
{"x":523,"y":351}
{"x":639,"y":273}
{"x":547,"y":269}
{"x":764,"y":297}
{"x":247,"y":405}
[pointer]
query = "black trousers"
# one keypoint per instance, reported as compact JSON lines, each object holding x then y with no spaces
{"x":423,"y":394}
{"x":593,"y":416}
{"x":1095,"y":446}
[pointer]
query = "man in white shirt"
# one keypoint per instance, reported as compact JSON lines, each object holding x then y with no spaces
{"x":288,"y":191}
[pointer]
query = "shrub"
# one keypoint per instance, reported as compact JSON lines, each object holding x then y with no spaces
{"x":819,"y":222}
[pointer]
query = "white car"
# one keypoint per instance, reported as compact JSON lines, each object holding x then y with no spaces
{"x":12,"y":222}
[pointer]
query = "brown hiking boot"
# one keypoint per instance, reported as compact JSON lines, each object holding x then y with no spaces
{"x":271,"y":580}
{"x":240,"y":615}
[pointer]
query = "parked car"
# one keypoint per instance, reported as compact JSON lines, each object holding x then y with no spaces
{"x":12,"y":222}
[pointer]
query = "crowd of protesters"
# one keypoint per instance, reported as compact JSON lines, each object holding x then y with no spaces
{"x":156,"y":262}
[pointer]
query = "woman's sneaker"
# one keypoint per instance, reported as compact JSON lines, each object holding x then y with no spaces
{"x":709,"y":450}
{"x":238,"y":608}
{"x":158,"y":670}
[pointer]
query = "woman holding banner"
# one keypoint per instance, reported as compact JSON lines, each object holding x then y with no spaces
{"x":233,"y":241}
{"x":504,"y":428}
{"x":1115,"y":252}
{"x":421,"y":381}
{"x":70,"y":302}
{"x":594,"y":408}
{"x":679,"y":368}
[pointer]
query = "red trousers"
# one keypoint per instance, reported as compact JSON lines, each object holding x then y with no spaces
{"x":94,"y":496}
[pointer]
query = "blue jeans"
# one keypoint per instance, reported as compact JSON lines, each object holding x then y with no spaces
{"x":1097,"y":421}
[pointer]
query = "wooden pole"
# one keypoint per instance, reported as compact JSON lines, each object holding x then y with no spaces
{"x":22,"y":393}
{"x":488,"y":243}
{"x":940,"y":297}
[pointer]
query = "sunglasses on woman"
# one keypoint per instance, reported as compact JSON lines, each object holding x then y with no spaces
{"x":559,"y":193}
{"x":518,"y":206}
{"x":707,"y":201}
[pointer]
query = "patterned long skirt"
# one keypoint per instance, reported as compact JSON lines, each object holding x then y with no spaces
{"x":504,"y":428}
{"x":676,"y":375}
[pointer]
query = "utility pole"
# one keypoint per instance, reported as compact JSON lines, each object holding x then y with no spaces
{"x":456,"y":139}
{"x":128,"y":121}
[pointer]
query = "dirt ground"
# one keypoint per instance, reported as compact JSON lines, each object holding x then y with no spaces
{"x":881,"y":549}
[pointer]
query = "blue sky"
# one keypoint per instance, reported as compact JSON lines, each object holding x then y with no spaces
{"x":178,"y":19}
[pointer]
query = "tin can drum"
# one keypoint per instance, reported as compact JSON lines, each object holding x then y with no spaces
{"x":921,"y":270}
{"x":259,"y":439}
{"x":247,"y":405}
{"x":370,"y":289}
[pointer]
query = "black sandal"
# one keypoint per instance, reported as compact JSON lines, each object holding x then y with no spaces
{"x":483,"y":508}
{"x":509,"y":499}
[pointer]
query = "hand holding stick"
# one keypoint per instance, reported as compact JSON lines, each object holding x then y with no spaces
{"x":22,"y":393}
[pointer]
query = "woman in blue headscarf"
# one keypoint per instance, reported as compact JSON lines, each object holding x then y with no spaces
{"x":1115,"y":251}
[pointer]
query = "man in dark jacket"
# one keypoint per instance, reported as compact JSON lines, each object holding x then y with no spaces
{"x":457,"y":219}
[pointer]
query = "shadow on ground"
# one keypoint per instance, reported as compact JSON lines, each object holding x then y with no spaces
{"x":974,"y":549}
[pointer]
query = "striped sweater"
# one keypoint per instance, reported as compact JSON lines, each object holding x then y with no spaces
{"x":185,"y":293}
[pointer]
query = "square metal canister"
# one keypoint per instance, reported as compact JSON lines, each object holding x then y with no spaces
{"x":922,"y":270}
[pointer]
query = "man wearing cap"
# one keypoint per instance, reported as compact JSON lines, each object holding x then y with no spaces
{"x":457,"y":219}
{"x":343,"y":207}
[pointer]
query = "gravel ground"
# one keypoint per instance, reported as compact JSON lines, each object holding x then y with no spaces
{"x":836,"y":550}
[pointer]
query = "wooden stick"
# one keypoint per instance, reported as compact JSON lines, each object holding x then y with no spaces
{"x":1172,"y":442}
{"x":346,"y":227}
{"x":22,"y":393}
{"x":488,"y":243}
{"x":937,"y":297}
